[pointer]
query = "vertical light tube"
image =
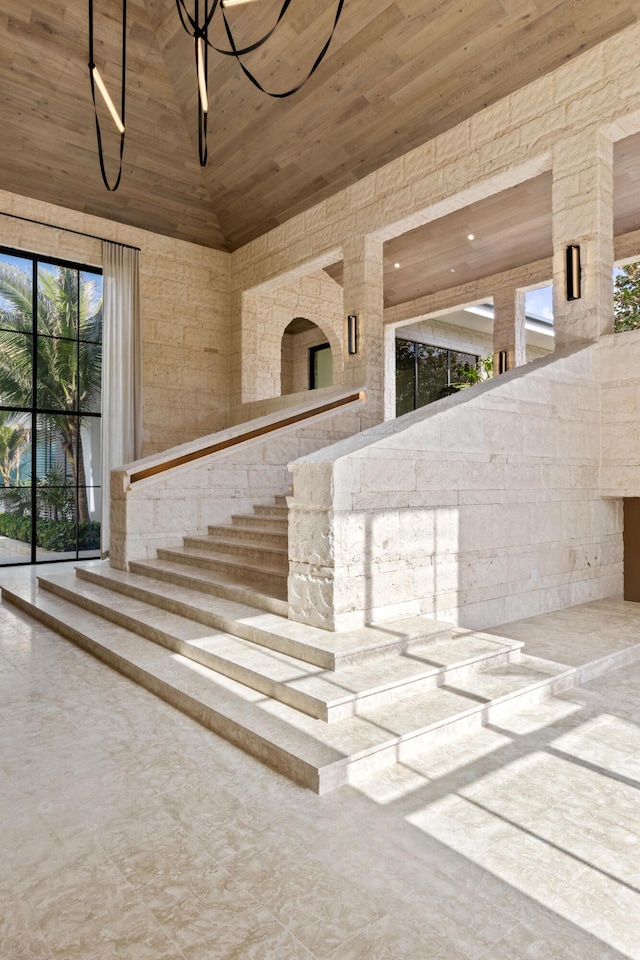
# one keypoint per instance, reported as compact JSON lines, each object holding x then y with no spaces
{"x":107,"y":99}
{"x":202,"y":79}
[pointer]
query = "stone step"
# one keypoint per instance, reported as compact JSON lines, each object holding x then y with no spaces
{"x":249,"y":534}
{"x":271,"y":524}
{"x":331,"y":651}
{"x":271,"y":510}
{"x":319,"y":755}
{"x":213,"y":583}
{"x":269,"y":578}
{"x":325,"y":694}
{"x":264,"y":555}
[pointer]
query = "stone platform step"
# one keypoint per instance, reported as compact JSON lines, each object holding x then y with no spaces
{"x":271,"y":577}
{"x":262,"y":554}
{"x":321,"y":648}
{"x":271,"y":510}
{"x":215,"y":583}
{"x":319,"y":755}
{"x":277,"y":524}
{"x":251,"y":534}
{"x":325,"y":694}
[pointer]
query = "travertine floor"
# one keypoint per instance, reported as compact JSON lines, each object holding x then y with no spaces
{"x":127,"y":831}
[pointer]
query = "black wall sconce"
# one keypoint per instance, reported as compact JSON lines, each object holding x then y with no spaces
{"x":352,"y":334}
{"x":574,"y":291}
{"x":503,"y":361}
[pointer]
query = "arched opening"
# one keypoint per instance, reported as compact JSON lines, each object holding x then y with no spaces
{"x":306,"y":357}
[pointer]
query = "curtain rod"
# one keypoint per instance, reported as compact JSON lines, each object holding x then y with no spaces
{"x":79,"y":233}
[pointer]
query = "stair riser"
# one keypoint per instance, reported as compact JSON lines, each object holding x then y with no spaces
{"x":270,"y":557}
{"x":257,"y":537}
{"x":244,"y":574}
{"x":292,"y":767}
{"x":226,"y":591}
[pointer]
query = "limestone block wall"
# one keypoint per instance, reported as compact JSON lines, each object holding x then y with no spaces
{"x":184,"y":291}
{"x":482,"y":508}
{"x":266,"y":315}
{"x":620,"y":376}
{"x":159,"y":510}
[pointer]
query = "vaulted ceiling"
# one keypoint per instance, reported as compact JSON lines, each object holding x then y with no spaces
{"x":398,"y":73}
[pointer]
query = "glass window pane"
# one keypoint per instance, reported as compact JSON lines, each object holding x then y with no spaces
{"x":56,"y":450}
{"x":16,"y":312}
{"x":433,"y":373}
{"x":57,"y":314}
{"x":322,"y":367}
{"x":57,"y":373}
{"x":15,"y":525}
{"x":91,"y":450}
{"x":90,"y":377}
{"x":91,"y":306}
{"x":90,"y":506}
{"x":405,"y":376}
{"x":16,"y":369}
{"x":49,"y":476}
{"x":56,"y":531}
{"x":15,"y":449}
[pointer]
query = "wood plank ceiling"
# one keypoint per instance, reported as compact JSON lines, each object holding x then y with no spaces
{"x":398,"y":73}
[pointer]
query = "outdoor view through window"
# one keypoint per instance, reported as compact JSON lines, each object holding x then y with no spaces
{"x":50,"y":377}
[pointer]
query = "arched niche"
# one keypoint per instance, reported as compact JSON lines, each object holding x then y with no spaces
{"x":306,"y":357}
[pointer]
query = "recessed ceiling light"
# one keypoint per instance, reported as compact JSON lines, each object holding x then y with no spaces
{"x":471,"y":237}
{"x":397,"y":266}
{"x":452,"y":270}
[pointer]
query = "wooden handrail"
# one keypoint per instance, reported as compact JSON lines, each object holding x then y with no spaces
{"x":242,"y":437}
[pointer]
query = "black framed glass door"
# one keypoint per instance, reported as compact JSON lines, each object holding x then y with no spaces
{"x":50,"y":384}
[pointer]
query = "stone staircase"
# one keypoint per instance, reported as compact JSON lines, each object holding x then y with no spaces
{"x":205,"y":627}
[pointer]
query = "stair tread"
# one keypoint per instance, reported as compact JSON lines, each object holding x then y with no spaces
{"x":215,"y":541}
{"x":228,"y":560}
{"x":343,"y":643}
{"x":241,"y":528}
{"x":214,"y":578}
{"x":311,"y":741}
{"x":326,"y":686}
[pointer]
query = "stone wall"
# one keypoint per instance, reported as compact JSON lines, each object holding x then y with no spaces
{"x":620,"y":375}
{"x":482,"y":508}
{"x":268,"y":312}
{"x":184,"y":291}
{"x":159,"y":510}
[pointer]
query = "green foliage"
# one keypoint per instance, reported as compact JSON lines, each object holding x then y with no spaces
{"x":16,"y":527}
{"x":59,"y":536}
{"x":626,"y":298}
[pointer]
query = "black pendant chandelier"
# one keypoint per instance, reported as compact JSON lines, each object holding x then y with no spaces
{"x":197,"y":26}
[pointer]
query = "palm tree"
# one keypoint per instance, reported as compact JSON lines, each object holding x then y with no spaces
{"x":14,"y":440}
{"x":68,"y":371}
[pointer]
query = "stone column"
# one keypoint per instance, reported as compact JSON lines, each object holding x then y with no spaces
{"x":364,"y":297}
{"x":509,"y":332}
{"x":582,"y":200}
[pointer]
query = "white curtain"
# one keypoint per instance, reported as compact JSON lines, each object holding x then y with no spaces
{"x":121,"y":369}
